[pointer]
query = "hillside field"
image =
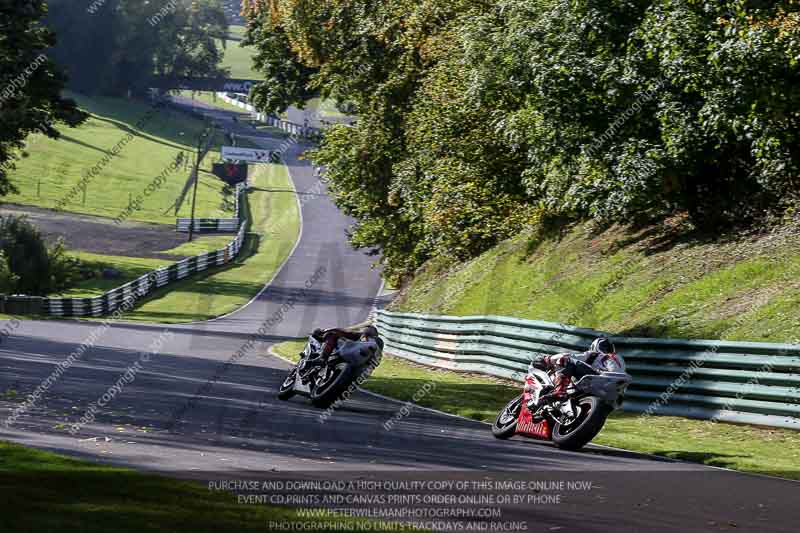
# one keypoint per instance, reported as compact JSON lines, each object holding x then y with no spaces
{"x":52,"y":168}
{"x":270,"y":238}
{"x":238,"y":58}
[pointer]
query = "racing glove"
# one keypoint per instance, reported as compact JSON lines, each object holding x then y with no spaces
{"x":541,"y":362}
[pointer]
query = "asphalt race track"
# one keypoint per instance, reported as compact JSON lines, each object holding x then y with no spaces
{"x":204,"y":407}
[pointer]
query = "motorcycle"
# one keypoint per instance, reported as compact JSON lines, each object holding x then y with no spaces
{"x":349,"y":365}
{"x":570,"y":423}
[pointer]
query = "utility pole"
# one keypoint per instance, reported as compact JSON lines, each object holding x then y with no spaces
{"x":196,"y":172}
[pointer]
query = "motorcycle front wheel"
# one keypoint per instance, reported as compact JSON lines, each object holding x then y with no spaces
{"x":287,"y":387}
{"x":578,"y":432}
{"x":332,"y":385}
{"x":505,"y":425}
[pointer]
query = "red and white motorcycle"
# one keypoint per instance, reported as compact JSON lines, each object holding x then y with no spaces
{"x":570,"y":423}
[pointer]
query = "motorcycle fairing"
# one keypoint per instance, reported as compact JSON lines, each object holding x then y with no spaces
{"x":301,"y":387}
{"x":527,"y":427}
{"x":525,"y":423}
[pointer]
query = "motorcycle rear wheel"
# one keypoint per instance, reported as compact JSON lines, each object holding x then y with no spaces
{"x":505,"y":425}
{"x":287,"y":387}
{"x":326,"y":392}
{"x":585,"y":427}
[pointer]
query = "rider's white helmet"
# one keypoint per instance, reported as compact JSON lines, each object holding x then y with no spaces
{"x":603,"y":345}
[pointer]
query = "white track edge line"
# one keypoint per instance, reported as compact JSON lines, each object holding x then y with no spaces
{"x":277,"y":272}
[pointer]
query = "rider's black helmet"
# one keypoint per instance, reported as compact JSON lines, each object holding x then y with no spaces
{"x":370,"y":332}
{"x":602,"y":345}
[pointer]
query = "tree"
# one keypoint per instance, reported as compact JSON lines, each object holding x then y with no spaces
{"x":30,"y":266}
{"x":30,"y":83}
{"x":287,"y":80}
{"x":371,"y":54}
{"x":129,"y":41}
{"x":477,"y":119}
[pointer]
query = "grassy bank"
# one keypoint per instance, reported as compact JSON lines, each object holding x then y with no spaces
{"x":271,"y":236}
{"x":53,"y":168}
{"x":239,"y":59}
{"x":44,"y":492}
{"x":662,"y":281}
{"x":745,"y":448}
{"x":131,"y":268}
{"x":209,"y":98}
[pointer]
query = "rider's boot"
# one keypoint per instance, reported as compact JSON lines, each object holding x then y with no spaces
{"x":559,"y":392}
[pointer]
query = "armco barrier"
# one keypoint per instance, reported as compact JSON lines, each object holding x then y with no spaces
{"x":20,"y":305}
{"x":110,"y":301}
{"x":207,"y":225}
{"x":291,"y":128}
{"x":743,"y":382}
{"x":210,"y":225}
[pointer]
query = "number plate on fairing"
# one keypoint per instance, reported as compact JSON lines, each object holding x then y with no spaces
{"x":527,"y":427}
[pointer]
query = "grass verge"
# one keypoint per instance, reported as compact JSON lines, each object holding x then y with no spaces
{"x":658,"y":281}
{"x":131,"y":268}
{"x":748,"y":449}
{"x":239,"y":59}
{"x":53,"y":168}
{"x":44,"y":492}
{"x":274,"y":229}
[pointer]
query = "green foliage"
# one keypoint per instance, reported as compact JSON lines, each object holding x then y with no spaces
{"x":8,"y":280}
{"x":116,"y":49}
{"x":286,"y":80}
{"x":30,"y":83}
{"x":477,"y":119}
{"x":32,"y":267}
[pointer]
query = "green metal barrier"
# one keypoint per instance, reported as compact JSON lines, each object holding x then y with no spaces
{"x":744,"y":382}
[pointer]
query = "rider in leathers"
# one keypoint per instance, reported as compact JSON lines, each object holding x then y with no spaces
{"x":332,"y":339}
{"x":569,"y":366}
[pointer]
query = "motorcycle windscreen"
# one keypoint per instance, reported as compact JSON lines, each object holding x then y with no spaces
{"x":526,"y":425}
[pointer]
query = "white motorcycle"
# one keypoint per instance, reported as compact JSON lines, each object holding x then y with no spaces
{"x":326,"y":383}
